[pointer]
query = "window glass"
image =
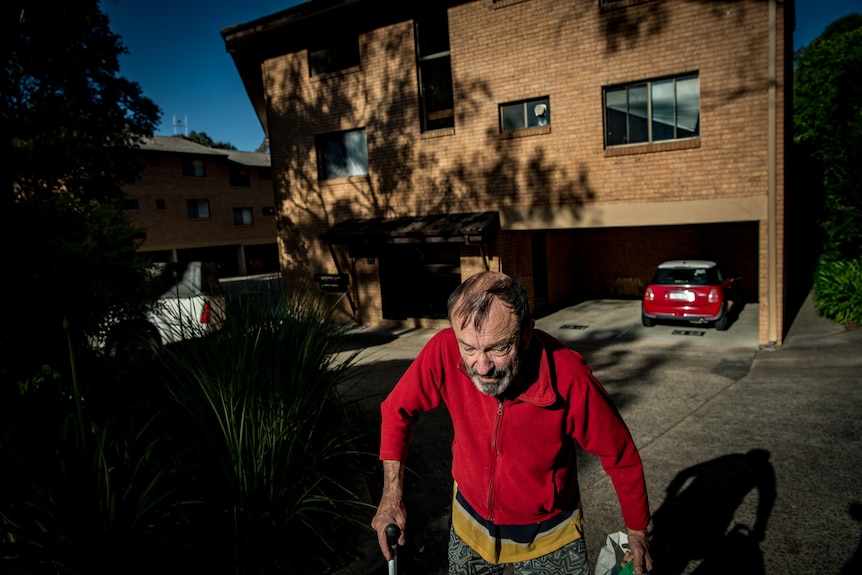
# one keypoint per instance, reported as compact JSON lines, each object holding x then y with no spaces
{"x":663,"y":121}
{"x":434,"y":67}
{"x":638,"y":114}
{"x":243,"y":216}
{"x":432,"y":31}
{"x":662,"y":109}
{"x":239,"y":176}
{"x":438,"y":100}
{"x":335,"y":57}
{"x":198,"y":209}
{"x":194,"y":168}
{"x":688,"y":107}
{"x":342,"y":154}
{"x":525,"y":114}
{"x":616,"y":116}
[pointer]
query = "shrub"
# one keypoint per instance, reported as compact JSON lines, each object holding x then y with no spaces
{"x":259,"y":396}
{"x":838,"y":289}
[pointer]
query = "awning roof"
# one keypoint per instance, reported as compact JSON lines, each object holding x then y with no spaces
{"x":471,"y":227}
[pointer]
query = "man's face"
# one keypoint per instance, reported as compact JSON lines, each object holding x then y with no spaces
{"x":492,"y":354}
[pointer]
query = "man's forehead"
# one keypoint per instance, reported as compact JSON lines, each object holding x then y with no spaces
{"x":501,"y":321}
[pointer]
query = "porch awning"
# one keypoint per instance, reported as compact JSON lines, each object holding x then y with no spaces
{"x":470,"y":227}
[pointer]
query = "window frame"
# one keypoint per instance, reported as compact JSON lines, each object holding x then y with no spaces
{"x":130,"y":205}
{"x":241,"y":214}
{"x":325,"y":148}
{"x":191,"y":165}
{"x":650,"y":120}
{"x":193,"y":209}
{"x":434,"y":68}
{"x":239,"y":176}
{"x":528,"y":108}
{"x":334,"y":57}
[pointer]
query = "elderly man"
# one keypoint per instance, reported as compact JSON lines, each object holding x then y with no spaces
{"x":520,"y":402}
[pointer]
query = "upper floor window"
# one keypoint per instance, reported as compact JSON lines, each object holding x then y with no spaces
{"x":334,"y":57}
{"x":652,"y":111}
{"x":342,"y":154}
{"x":433,"y":63}
{"x":243,"y":216}
{"x":129,"y":205}
{"x":194,"y":167}
{"x":198,"y":209}
{"x":525,"y":114}
{"x":239,"y":176}
{"x":160,"y":204}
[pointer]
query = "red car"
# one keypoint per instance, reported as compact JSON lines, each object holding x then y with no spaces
{"x":689,"y":290}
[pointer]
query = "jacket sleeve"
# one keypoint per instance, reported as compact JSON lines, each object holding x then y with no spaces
{"x":418,"y":390}
{"x":600,"y":430}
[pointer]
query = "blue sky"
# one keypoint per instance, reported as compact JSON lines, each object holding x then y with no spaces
{"x":177,"y":55}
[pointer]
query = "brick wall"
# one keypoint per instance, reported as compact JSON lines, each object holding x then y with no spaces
{"x":567,"y":51}
{"x":171,"y":229}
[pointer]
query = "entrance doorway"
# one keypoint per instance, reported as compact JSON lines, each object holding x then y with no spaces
{"x":417,"y":279}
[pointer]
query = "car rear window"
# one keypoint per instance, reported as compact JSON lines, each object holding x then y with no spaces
{"x":687,"y":276}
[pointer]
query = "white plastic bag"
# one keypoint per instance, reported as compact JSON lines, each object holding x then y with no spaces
{"x":612,"y":556}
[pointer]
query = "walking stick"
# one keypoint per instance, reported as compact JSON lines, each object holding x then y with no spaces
{"x":392,"y":534}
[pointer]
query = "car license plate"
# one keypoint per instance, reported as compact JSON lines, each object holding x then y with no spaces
{"x":681,"y":296}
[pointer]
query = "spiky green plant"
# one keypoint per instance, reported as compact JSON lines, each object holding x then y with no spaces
{"x":838,"y":289}
{"x":260,"y":396}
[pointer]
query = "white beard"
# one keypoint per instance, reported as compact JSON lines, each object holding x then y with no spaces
{"x":503,"y":378}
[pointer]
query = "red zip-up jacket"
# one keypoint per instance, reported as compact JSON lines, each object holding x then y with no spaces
{"x":514,"y":460}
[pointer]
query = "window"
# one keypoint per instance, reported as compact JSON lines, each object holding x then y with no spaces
{"x":653,"y":111}
{"x":268,"y":211}
{"x":160,"y":204}
{"x":239,"y":176}
{"x":342,"y":154}
{"x":434,"y":67}
{"x":129,"y":205}
{"x":333,"y":58}
{"x":243,"y":216}
{"x":194,"y":168}
{"x":264,"y":173}
{"x":198,"y":209}
{"x":525,"y":114}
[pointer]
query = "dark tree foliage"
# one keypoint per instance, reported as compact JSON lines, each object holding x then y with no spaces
{"x":204,"y":140}
{"x":69,"y":122}
{"x":828,"y":129}
{"x":70,"y":116}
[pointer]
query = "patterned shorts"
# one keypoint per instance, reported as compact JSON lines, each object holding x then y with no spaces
{"x":571,"y":559}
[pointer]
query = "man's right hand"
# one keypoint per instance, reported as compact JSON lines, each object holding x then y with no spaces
{"x":391,"y":509}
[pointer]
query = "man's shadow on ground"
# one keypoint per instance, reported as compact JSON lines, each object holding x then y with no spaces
{"x":697,"y":521}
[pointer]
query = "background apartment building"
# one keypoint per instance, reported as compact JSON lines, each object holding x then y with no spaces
{"x":203,"y":204}
{"x":571,"y":144}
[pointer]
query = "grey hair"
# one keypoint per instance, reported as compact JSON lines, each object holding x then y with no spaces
{"x":473,"y":298}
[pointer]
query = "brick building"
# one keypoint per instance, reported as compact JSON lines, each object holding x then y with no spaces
{"x":203,"y":204}
{"x":571,"y":144}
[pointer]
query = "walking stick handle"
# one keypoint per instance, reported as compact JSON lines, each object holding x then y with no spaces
{"x":393,"y":533}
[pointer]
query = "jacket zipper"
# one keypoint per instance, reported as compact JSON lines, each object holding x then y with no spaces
{"x":494,"y":438}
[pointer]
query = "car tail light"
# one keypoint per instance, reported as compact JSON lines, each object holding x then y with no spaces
{"x":649,"y":295}
{"x":713,"y":295}
{"x":205,"y":313}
